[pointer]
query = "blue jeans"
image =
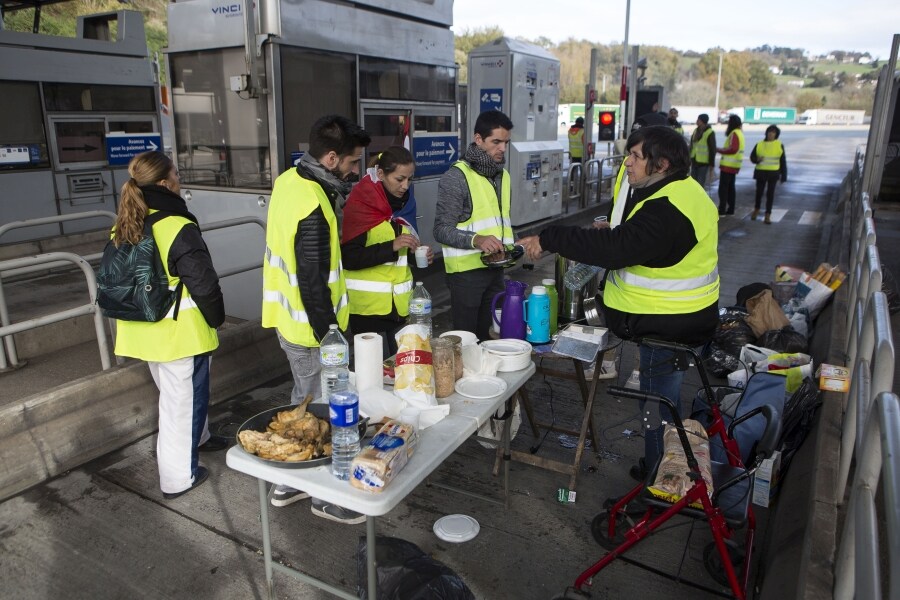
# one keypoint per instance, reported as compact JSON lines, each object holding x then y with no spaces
{"x":658,"y":376}
{"x":305,"y":368}
{"x":700,"y":173}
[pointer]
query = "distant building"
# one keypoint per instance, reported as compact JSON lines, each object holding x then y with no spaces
{"x":774,"y":70}
{"x":865,"y":60}
{"x":795,"y":82}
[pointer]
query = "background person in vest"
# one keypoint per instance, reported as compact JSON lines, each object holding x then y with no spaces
{"x":304,"y":290}
{"x":576,"y":140}
{"x":703,"y":150}
{"x":771,"y":165}
{"x":660,"y":251}
{"x":176,"y":350}
{"x":378,"y":239}
{"x":673,"y":121}
{"x":730,"y":164}
{"x":472,"y":218}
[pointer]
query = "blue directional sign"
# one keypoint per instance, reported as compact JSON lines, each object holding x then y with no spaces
{"x":122,"y":147}
{"x":434,"y":153}
{"x":491,"y":99}
{"x":295,"y":156}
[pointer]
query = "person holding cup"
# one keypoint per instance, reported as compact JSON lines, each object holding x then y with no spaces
{"x":378,"y":239}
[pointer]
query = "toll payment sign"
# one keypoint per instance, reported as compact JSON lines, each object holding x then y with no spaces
{"x":491,"y":99}
{"x":122,"y":147}
{"x":435,"y":152}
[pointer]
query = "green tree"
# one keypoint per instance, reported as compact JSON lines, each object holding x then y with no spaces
{"x":467,"y":41}
{"x":761,"y":81}
{"x":820,"y":79}
{"x":807,"y":100}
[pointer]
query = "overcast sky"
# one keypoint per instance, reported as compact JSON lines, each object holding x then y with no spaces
{"x":817,"y":26}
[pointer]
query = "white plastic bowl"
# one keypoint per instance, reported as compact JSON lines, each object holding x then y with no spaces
{"x":514,"y":354}
{"x":468,"y":338}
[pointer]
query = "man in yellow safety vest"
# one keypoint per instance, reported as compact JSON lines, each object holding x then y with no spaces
{"x":471,"y":219}
{"x":304,"y":290}
{"x":703,"y":150}
{"x":576,"y":140}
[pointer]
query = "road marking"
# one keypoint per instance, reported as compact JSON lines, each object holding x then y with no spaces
{"x":810,"y":217}
{"x":777,"y":214}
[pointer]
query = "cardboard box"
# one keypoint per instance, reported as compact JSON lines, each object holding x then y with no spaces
{"x":833,"y":378}
{"x":765,"y":481}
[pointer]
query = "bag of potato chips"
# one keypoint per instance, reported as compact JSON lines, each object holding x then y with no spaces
{"x":413,"y":371}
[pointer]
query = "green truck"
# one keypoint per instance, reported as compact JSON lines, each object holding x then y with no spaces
{"x":762,"y":114}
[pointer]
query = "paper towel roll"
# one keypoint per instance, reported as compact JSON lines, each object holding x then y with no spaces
{"x":367,"y":357}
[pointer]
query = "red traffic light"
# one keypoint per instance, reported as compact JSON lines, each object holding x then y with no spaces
{"x":606,"y":118}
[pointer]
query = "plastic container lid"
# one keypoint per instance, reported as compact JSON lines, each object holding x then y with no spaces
{"x":456,"y":528}
{"x":539,"y":290}
{"x":548,"y":281}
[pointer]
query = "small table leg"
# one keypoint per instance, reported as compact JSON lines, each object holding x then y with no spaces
{"x":371,"y":575}
{"x":267,"y":541}
{"x":585,"y":422}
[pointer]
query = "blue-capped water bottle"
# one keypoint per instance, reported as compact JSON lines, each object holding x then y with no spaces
{"x":343,"y":412}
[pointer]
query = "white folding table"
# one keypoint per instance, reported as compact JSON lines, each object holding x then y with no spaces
{"x":435,"y":444}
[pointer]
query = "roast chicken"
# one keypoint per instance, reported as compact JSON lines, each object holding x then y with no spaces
{"x":293,"y":435}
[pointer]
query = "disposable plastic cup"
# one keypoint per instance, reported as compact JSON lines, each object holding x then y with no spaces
{"x":422,"y":257}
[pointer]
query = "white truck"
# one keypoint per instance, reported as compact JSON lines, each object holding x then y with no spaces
{"x":832,"y":116}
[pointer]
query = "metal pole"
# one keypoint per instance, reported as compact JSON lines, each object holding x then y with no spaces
{"x":718,"y":85}
{"x":632,"y":85}
{"x":623,"y":92}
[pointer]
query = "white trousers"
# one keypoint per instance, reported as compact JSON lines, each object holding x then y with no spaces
{"x":183,"y":425}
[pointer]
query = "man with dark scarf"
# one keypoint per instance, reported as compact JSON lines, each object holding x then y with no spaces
{"x":303,"y":282}
{"x":471,"y":219}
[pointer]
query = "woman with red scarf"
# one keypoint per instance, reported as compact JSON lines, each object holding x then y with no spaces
{"x":378,"y":241}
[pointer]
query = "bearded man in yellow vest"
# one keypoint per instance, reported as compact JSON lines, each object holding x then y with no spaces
{"x":471,"y":218}
{"x":662,"y":281}
{"x":576,"y":140}
{"x":304,"y":290}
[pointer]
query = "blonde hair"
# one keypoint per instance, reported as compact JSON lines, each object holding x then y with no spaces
{"x":145,"y":169}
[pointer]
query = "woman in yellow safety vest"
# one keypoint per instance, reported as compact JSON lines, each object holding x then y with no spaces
{"x":771,"y":165}
{"x":732,"y":157}
{"x":176,"y":348}
{"x":378,"y":239}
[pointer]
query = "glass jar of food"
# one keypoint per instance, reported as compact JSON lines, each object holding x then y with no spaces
{"x":444,"y":369}
{"x":457,"y":355}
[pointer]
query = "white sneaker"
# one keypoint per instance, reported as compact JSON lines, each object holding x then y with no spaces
{"x":284,"y":495}
{"x":607,"y":370}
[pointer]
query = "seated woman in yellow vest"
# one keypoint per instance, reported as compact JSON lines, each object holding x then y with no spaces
{"x":378,"y":239}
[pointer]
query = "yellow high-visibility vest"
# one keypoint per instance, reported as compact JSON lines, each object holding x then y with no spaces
{"x":769,"y":155}
{"x":734,"y":160}
{"x":488,"y":218}
{"x":700,"y":148}
{"x":168,"y":339}
{"x":683,"y":288}
{"x":576,"y":142}
{"x":293,"y":199}
{"x":373,"y":290}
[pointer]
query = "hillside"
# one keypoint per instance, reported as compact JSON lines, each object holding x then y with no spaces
{"x":765,"y":75}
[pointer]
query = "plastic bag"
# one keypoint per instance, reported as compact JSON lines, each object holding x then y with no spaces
{"x":784,"y":340}
{"x":733,"y":332}
{"x":719,"y":362}
{"x":749,"y":291}
{"x":404,"y":572}
{"x":414,"y":372}
{"x":765,"y":313}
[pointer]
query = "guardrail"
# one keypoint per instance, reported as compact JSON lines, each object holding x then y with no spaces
{"x":7,"y":329}
{"x":8,"y":354}
{"x":870,"y":433}
{"x":585,"y":180}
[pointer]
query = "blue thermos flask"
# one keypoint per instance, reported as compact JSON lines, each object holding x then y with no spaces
{"x":537,"y":316}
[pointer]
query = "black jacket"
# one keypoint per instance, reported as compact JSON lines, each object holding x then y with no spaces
{"x":658,"y":236}
{"x":189,"y":258}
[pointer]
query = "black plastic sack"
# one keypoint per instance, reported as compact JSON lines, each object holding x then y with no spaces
{"x":733,"y":332}
{"x":720,"y":363}
{"x":406,"y":573}
{"x":784,"y":340}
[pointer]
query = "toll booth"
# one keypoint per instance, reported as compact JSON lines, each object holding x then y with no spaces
{"x":73,"y":111}
{"x":249,"y":78}
{"x":522,"y":80}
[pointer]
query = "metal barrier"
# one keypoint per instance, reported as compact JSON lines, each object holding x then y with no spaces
{"x":574,"y":186}
{"x":870,"y":434}
{"x":9,"y":357}
{"x":7,"y":329}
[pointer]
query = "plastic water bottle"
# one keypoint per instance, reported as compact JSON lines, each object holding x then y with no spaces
{"x":550,"y":284}
{"x":420,"y":307}
{"x":343,"y":412}
{"x":334,"y":356}
{"x":578,"y":276}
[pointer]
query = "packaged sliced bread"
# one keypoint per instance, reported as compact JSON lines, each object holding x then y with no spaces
{"x":383,"y":457}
